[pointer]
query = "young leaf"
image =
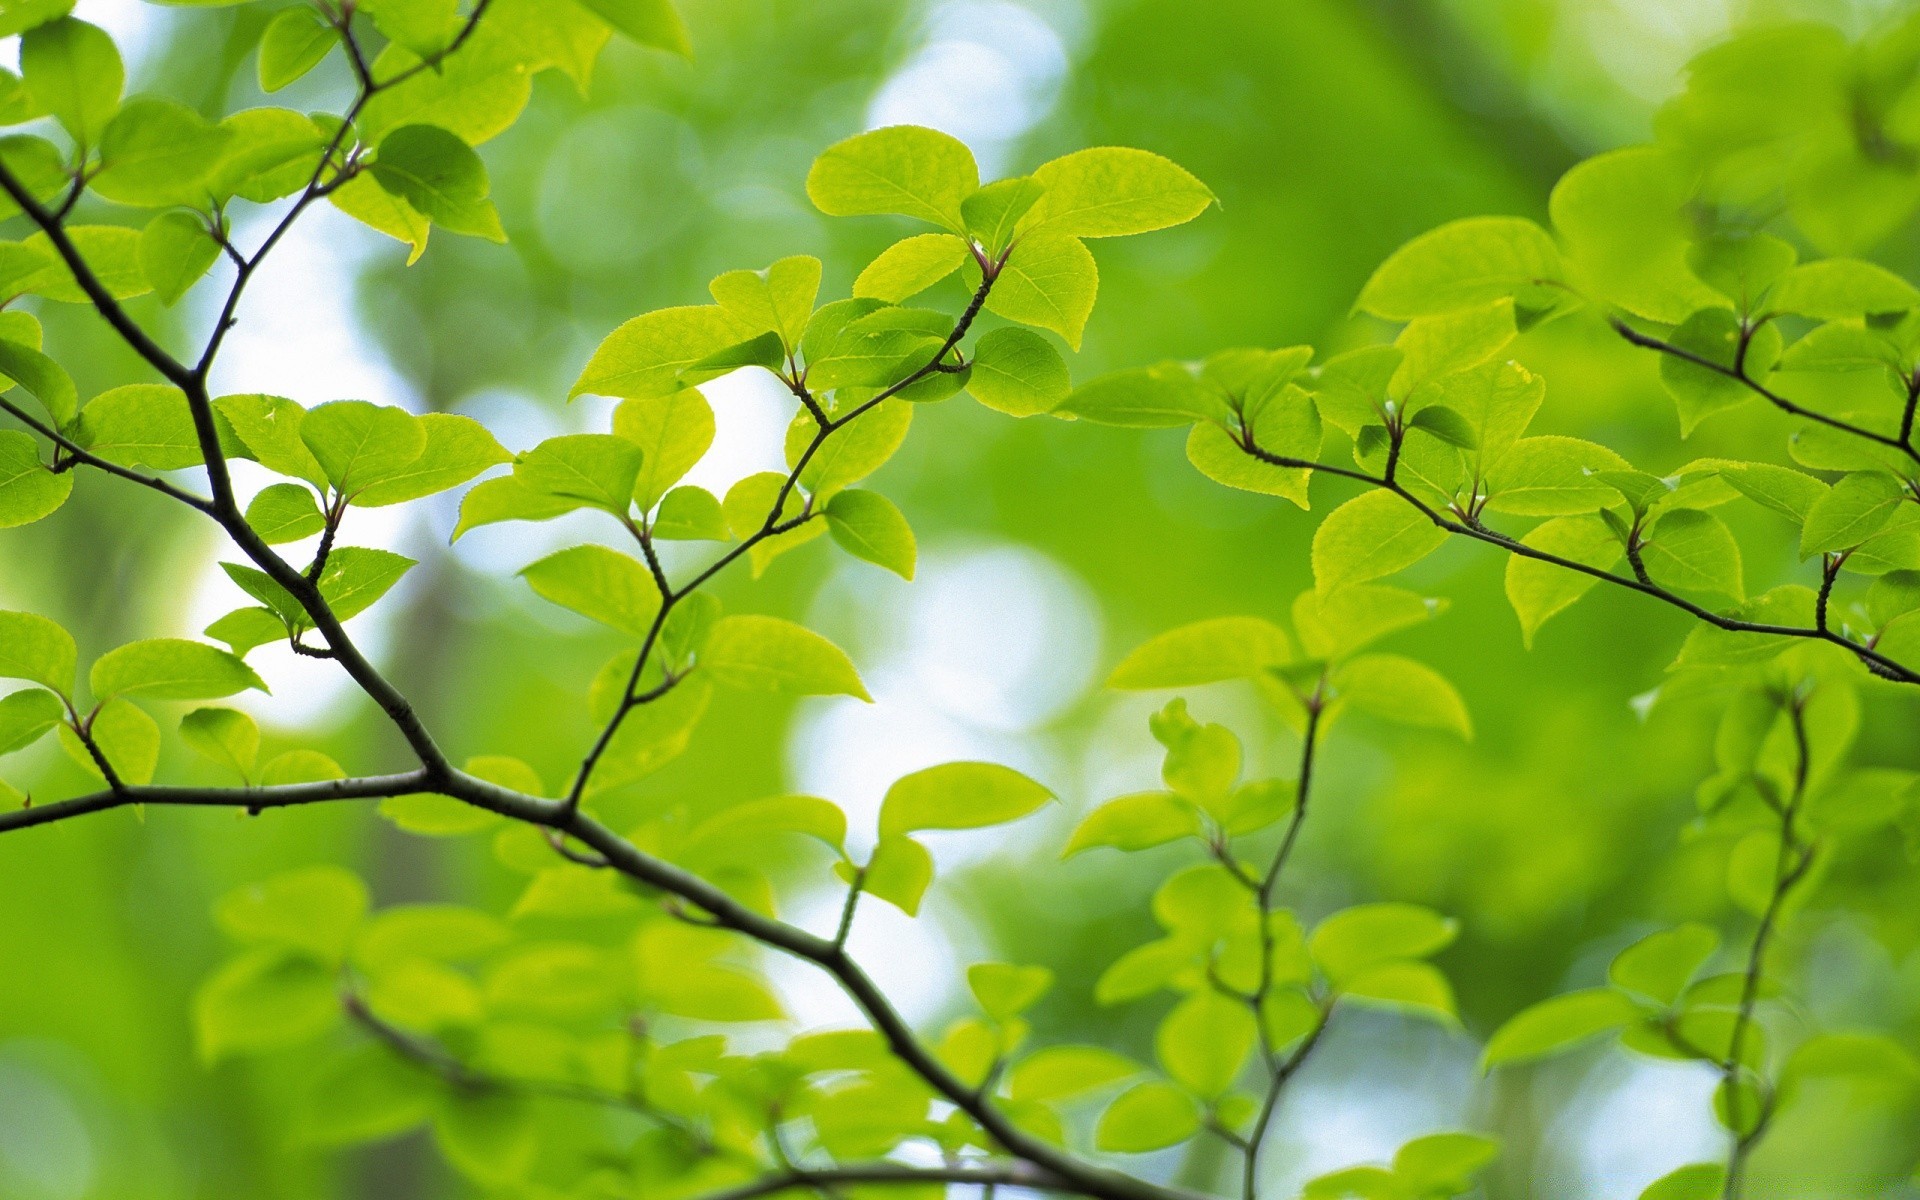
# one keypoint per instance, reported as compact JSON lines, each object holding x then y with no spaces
{"x":911,"y":266}
{"x":1049,"y":281}
{"x":294,"y":43}
{"x":595,"y":469}
{"x":899,"y":873}
{"x":960,"y":795}
{"x":1400,"y":689}
{"x":1716,"y":335}
{"x":673,"y":433}
{"x":264,"y":1000}
{"x":768,"y":654}
{"x":1005,"y":990}
{"x":645,"y":357}
{"x":1137,"y":822}
{"x":1373,"y":534}
{"x":157,"y":152}
{"x":1148,"y":1116}
{"x":867,"y":525}
{"x":74,"y":72}
{"x":1113,"y":191}
{"x":358,"y":443}
{"x":1064,"y":1072}
{"x":170,"y":669}
{"x":904,"y":169}
{"x":315,"y":910}
{"x":357,"y":576}
{"x":1204,"y":1042}
{"x":1356,"y":939}
{"x":1166,"y":396}
{"x":653,"y":23}
{"x":1204,"y":652}
{"x":994,"y":213}
{"x":1694,"y":551}
{"x":1696,"y":1181}
{"x":602,"y":584}
{"x":1460,"y":265}
{"x":508,"y":498}
{"x":125,"y":735}
{"x":1018,"y":372}
{"x":1660,"y":965}
{"x":284,"y":512}
{"x":46,"y":379}
{"x":141,"y":424}
{"x":1538,"y":590}
{"x":176,"y":250}
{"x":111,"y":252}
{"x":363,"y":199}
{"x":268,"y":429}
{"x":1557,"y":1024}
{"x":1851,"y":511}
{"x":1837,"y":288}
{"x":777,"y":300}
{"x":29,"y":491}
{"x":440,"y":177}
{"x":26,"y":716}
{"x":694,"y":514}
{"x":224,"y":736}
{"x":457,"y":448}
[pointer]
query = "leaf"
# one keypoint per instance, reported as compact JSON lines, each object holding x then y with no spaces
{"x":1539,"y":590}
{"x":691,"y":514}
{"x":598,"y":583}
{"x":1137,"y":822}
{"x":125,"y":735}
{"x":176,"y":251}
{"x":645,"y":357}
{"x":994,"y":213}
{"x":363,"y":199}
{"x":899,"y":872}
{"x":1166,"y":396}
{"x":299,"y":766}
{"x":268,"y":428}
{"x":245,"y":629}
{"x":1400,"y":689}
{"x":1715,"y":334}
{"x":1444,"y":1163}
{"x":1204,"y":652}
{"x":1697,"y":1181}
{"x":26,"y":716}
{"x":1837,"y":288}
{"x":1113,"y":191}
{"x":111,"y":253}
{"x":440,"y":177}
{"x":745,"y":824}
{"x":28,"y":490}
{"x":1620,"y":219}
{"x":46,"y":379}
{"x":36,"y":650}
{"x":1005,"y":990}
{"x":853,"y":453}
{"x":271,"y":153}
{"x":754,"y":505}
{"x":1018,"y":372}
{"x":264,"y":1000}
{"x":1204,"y":1042}
{"x":1376,"y":533}
{"x":170,"y":669}
{"x":1147,"y":1116}
{"x":357,"y":576}
{"x":141,"y":424}
{"x":1552,"y":476}
{"x":593,"y":469}
{"x":778,"y":300}
{"x":75,"y":73}
{"x":1660,"y":965}
{"x":489,"y":1136}
{"x":1414,"y":987}
{"x":295,"y":42}
{"x":1694,"y":551}
{"x":904,"y":169}
{"x":653,"y":23}
{"x":768,"y":654}
{"x":868,"y":526}
{"x":1050,"y":281}
{"x":1460,"y":265}
{"x":1557,"y":1024}
{"x":1851,"y":511}
{"x":315,"y":910}
{"x":457,"y":448}
{"x":1065,"y":1072}
{"x":358,"y":443}
{"x":223,"y":736}
{"x":961,"y":795}
{"x":368,"y":1094}
{"x":1357,"y":939}
{"x":508,"y":498}
{"x":157,"y":152}
{"x":910,"y":266}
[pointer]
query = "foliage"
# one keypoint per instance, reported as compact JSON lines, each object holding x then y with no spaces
{"x":611,"y":982}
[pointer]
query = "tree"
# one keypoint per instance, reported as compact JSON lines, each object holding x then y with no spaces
{"x":498,"y":1034}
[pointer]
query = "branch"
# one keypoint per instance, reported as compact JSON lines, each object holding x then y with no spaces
{"x":254,"y":799}
{"x":1876,"y":662}
{"x":75,"y":453}
{"x":881,"y":1173}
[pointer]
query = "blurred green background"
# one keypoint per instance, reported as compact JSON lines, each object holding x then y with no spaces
{"x":1332,"y":130}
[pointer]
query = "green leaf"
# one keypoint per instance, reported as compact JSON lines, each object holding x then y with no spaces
{"x":440,"y":177}
{"x":1694,"y":551}
{"x":645,"y":357}
{"x":1204,"y":652}
{"x":777,"y":300}
{"x":1891,"y":596}
{"x":911,"y":266}
{"x":294,"y":43}
{"x":1414,"y":987}
{"x":1113,"y":191}
{"x":264,"y":1000}
{"x":170,"y":669}
{"x":1137,"y":822}
{"x":1698,"y":1181}
{"x":41,"y":171}
{"x":1005,"y":990}
{"x":223,"y":736}
{"x":22,"y":15}
{"x":363,"y":199}
{"x":314,"y":910}
{"x":29,"y":491}
{"x":127,"y":737}
{"x":1447,"y":425}
{"x":602,"y":584}
{"x":1851,"y":511}
{"x":673,"y":433}
{"x":271,"y":154}
{"x":508,"y":498}
{"x":854,"y":452}
{"x":1837,"y":288}
{"x":899,"y":872}
{"x":1660,"y":965}
{"x":653,"y":23}
{"x":1552,"y":476}
{"x":141,"y":424}
{"x":490,"y":1136}
{"x":768,"y":654}
{"x":357,"y":576}
{"x":26,"y":716}
{"x":1204,"y":1042}
{"x":1400,"y":689}
{"x":358,"y":443}
{"x":1436,"y":346}
{"x":1714,"y":334}
{"x":368,"y":1094}
{"x":299,"y":766}
{"x":75,"y":73}
{"x":993,"y":214}
{"x":1620,"y":217}
{"x":1050,"y":281}
{"x":1741,"y":266}
{"x":1786,"y":491}
{"x":46,"y":379}
{"x":176,"y":251}
{"x":691,"y":514}
{"x":1065,"y":1072}
{"x":1147,"y":1116}
{"x":1018,"y":372}
{"x":1165,"y":396}
{"x":1444,"y":1163}
{"x":247,"y":628}
{"x":36,"y":650}
{"x":592,"y":469}
{"x":1460,"y":265}
{"x":1539,"y":590}
{"x":1357,"y":939}
{"x":750,"y":508}
{"x":904,"y":169}
{"x":1557,"y":1024}
{"x":730,"y":828}
{"x":958,"y":795}
{"x":457,"y":448}
{"x":868,"y":526}
{"x":1376,"y":533}
{"x":157,"y":152}
{"x":268,"y":429}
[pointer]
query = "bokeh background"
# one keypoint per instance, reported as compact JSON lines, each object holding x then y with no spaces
{"x":1332,"y":130}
